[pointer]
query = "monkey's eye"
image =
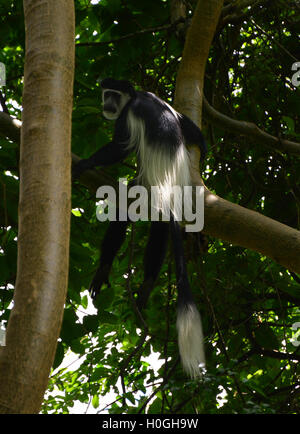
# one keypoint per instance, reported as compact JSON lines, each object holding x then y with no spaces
{"x":112,"y":95}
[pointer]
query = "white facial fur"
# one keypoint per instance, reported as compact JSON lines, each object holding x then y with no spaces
{"x":125,"y":97}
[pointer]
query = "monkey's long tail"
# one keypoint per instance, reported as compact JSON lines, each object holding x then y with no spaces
{"x":189,"y":327}
{"x":190,"y":338}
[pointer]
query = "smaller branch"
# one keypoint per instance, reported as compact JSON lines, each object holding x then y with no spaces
{"x":249,"y":129}
{"x":279,"y":355}
{"x":290,"y":389}
{"x":131,"y":35}
{"x":271,"y":38}
{"x":4,"y":204}
{"x":233,"y":13}
{"x":201,"y":276}
{"x":123,"y":389}
{"x":3,"y":103}
{"x":144,"y":333}
{"x":172,"y":369}
{"x":269,"y":353}
{"x":295,"y":277}
{"x":238,"y":6}
{"x":134,"y":390}
{"x":10,"y":127}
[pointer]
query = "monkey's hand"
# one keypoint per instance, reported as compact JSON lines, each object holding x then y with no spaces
{"x":100,"y":278}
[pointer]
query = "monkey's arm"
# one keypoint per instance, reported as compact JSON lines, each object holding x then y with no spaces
{"x":113,"y":240}
{"x":109,"y":154}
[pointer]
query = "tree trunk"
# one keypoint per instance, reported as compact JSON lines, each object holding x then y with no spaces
{"x":44,"y":206}
{"x":190,"y":77}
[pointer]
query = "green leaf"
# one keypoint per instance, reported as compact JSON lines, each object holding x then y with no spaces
{"x":266,"y":337}
{"x":98,"y":374}
{"x":91,"y":323}
{"x":84,"y":301}
{"x":77,"y":347}
{"x":155,"y":407}
{"x":70,"y":328}
{"x":59,"y":355}
{"x":107,"y":318}
{"x":290,"y":124}
{"x":105,"y":298}
{"x":95,"y":401}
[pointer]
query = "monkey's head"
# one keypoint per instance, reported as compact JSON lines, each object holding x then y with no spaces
{"x":115,"y":95}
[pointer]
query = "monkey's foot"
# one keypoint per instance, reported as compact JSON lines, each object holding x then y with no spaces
{"x":100,"y":278}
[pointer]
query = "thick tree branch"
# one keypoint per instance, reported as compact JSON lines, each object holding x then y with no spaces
{"x":223,"y":219}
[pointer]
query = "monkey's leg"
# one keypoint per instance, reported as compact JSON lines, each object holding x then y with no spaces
{"x":183,"y":285}
{"x":153,"y":259}
{"x":113,"y":240}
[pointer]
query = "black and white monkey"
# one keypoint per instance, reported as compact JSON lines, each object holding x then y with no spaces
{"x":159,"y":135}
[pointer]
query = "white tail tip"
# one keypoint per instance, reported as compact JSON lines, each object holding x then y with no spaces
{"x":190,"y":339}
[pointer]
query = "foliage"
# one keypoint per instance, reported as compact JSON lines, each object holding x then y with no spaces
{"x":248,"y":303}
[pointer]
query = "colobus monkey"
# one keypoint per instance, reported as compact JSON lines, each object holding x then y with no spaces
{"x":159,"y":135}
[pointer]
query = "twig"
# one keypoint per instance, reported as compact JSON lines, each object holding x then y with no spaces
{"x":3,"y":104}
{"x":144,"y":334}
{"x":131,"y":35}
{"x":295,"y":277}
{"x":270,"y":37}
{"x":201,"y":275}
{"x":159,"y":387}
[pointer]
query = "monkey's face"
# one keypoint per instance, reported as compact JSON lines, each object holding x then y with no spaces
{"x":113,"y":103}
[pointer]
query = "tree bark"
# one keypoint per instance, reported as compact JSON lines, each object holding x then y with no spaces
{"x":190,"y":77}
{"x":44,"y":206}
